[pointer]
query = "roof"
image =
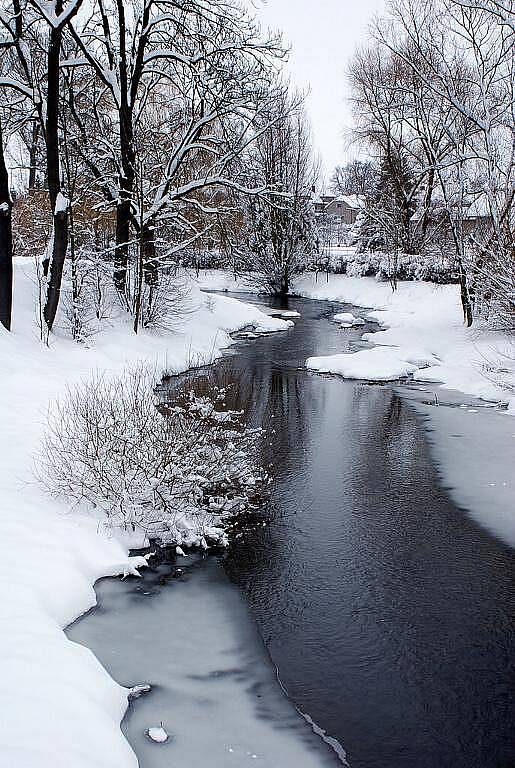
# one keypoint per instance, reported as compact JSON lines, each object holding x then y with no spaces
{"x":351,"y":201}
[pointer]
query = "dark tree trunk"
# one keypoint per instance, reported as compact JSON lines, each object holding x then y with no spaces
{"x":33,"y":155}
{"x":127,"y":177}
{"x":60,"y":217}
{"x":121,"y":254}
{"x":6,"y":244}
{"x":149,"y":256}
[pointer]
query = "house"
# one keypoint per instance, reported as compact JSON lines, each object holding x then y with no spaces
{"x":344,"y":208}
{"x":476,"y":216}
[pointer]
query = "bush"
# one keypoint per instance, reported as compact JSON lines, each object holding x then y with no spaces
{"x":435,"y":268}
{"x":178,"y":470}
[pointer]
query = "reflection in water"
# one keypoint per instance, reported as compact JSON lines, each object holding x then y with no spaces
{"x":389,"y":614}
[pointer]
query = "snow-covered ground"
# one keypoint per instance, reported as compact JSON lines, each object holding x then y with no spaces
{"x":423,"y":334}
{"x":59,"y":706}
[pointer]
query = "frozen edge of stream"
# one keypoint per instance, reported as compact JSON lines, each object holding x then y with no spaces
{"x":188,"y":633}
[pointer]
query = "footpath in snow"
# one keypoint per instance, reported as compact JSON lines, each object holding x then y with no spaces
{"x":60,"y":708}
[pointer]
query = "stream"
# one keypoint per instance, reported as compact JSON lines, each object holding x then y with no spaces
{"x":383,"y":609}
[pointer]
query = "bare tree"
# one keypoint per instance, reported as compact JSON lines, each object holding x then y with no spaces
{"x":462,"y":53}
{"x":206,"y":66}
{"x":281,"y":234}
{"x":358,"y":177}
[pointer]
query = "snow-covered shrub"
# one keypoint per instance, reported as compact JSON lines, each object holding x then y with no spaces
{"x":363,"y":264}
{"x":383,"y":266}
{"x":181,"y":470}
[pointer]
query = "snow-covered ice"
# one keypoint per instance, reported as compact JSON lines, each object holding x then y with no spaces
{"x":158,"y":734}
{"x":216,"y":694}
{"x":284,"y":313}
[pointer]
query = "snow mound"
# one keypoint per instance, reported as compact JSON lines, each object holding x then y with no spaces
{"x":284,"y":313}
{"x":157,"y":734}
{"x":232,"y":315}
{"x":377,"y":364}
{"x":347,"y":319}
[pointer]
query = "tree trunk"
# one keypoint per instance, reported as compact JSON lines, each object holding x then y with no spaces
{"x":60,"y":217}
{"x":128,"y":163}
{"x":149,"y":256}
{"x":121,"y":254}
{"x":33,"y":155}
{"x":6,"y":244}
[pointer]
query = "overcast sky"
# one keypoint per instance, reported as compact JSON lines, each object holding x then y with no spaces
{"x":323,"y":35}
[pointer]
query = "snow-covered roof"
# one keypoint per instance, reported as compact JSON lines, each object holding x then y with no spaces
{"x":478,"y":207}
{"x":352,"y":201}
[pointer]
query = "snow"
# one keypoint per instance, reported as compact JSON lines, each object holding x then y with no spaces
{"x":378,"y":364}
{"x":50,"y":559}
{"x":158,"y":734}
{"x":284,"y":313}
{"x":347,"y":319}
{"x":422,"y":324}
{"x":61,"y":204}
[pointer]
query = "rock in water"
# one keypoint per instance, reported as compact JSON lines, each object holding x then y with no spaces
{"x":158,"y":734}
{"x":138,"y":690}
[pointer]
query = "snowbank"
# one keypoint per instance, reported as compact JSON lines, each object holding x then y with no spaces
{"x":379,"y":364}
{"x":59,"y":706}
{"x":347,"y":319}
{"x":423,"y":327}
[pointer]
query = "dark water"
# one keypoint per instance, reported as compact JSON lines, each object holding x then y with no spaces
{"x":388,"y":612}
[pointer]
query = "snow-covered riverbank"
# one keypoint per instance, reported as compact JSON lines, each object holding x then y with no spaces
{"x":59,"y":706}
{"x":423,"y":333}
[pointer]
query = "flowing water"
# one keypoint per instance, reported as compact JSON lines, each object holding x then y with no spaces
{"x":388,"y":613}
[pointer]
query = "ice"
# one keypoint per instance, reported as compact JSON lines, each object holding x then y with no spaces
{"x":214,"y":687}
{"x":475,"y":456}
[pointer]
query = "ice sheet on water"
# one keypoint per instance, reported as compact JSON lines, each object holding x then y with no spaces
{"x":474,"y":449}
{"x":213,"y":686}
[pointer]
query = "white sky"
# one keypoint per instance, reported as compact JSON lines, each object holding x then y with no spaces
{"x":323,"y":35}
